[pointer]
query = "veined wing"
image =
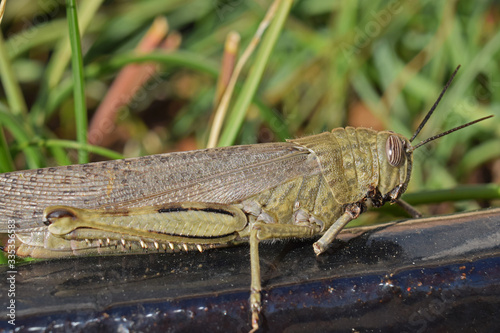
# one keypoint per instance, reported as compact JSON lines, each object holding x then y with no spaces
{"x":220,"y":175}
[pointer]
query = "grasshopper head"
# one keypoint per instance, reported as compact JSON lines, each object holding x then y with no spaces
{"x":395,"y":163}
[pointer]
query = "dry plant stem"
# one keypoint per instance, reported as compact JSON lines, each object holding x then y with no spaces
{"x":2,"y":9}
{"x":171,"y":43}
{"x":231,"y":48}
{"x":221,"y":111}
{"x":126,"y":85}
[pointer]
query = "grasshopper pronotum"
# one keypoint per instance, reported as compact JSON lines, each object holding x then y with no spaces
{"x":211,"y":198}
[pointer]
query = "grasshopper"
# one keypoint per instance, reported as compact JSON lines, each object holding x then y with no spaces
{"x":211,"y":198}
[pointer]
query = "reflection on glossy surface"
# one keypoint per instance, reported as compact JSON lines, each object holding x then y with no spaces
{"x":420,"y":275}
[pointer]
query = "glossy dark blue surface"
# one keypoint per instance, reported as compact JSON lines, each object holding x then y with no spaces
{"x":427,"y":276}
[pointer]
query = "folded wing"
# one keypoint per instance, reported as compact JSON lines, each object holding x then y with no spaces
{"x":221,"y":175}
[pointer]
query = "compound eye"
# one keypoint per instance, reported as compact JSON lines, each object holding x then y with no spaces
{"x":394,"y":150}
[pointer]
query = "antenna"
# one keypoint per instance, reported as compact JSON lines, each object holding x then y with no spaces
{"x":432,"y":138}
{"x":431,"y":111}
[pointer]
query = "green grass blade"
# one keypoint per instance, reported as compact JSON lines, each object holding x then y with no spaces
{"x":12,"y":90}
{"x":68,"y":144}
{"x":459,"y":193}
{"x":34,"y":36}
{"x":63,"y":52}
{"x":78,"y":79}
{"x":22,"y":136}
{"x":6,"y":163}
{"x":479,"y":155}
{"x":241,"y":105}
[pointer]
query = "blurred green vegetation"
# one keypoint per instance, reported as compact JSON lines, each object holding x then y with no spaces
{"x":336,"y":63}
